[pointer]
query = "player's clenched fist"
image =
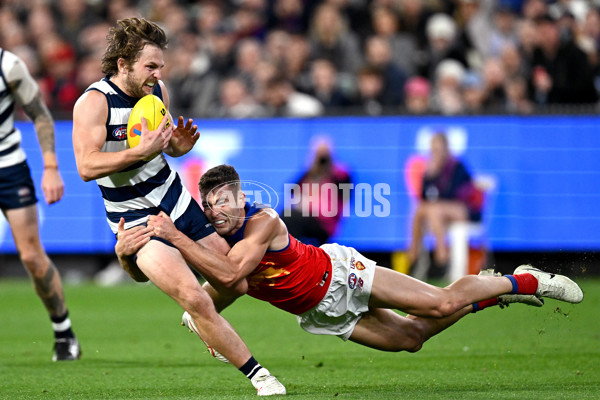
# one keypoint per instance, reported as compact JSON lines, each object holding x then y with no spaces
{"x":162,"y":225}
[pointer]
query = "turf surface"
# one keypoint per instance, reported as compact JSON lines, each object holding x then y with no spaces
{"x":134,"y":348}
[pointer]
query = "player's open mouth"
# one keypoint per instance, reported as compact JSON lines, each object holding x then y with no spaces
{"x":219,"y":222}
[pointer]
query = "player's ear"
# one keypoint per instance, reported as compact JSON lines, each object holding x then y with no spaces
{"x":122,"y":65}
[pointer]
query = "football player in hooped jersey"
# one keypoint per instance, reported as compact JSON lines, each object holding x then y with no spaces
{"x":17,"y":194}
{"x":135,"y":185}
{"x":333,"y":289}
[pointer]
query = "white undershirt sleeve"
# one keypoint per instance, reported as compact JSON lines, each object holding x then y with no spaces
{"x":15,"y":70}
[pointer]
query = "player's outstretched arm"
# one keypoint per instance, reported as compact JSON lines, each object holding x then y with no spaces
{"x":220,"y":298}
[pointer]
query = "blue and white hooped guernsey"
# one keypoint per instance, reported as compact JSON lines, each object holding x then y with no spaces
{"x":11,"y":152}
{"x":144,"y":188}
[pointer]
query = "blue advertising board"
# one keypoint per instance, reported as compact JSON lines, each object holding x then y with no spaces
{"x":545,"y":175}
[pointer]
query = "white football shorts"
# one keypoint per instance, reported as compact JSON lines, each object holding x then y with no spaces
{"x":347,"y":297}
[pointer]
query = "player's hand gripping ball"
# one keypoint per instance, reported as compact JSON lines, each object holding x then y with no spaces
{"x":153,"y":109}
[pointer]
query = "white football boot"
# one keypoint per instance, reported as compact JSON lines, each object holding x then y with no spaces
{"x":186,"y":320}
{"x":266,"y":384}
{"x":551,"y":285}
{"x":506,"y":299}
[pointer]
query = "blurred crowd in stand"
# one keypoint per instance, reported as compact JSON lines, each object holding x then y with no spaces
{"x":303,"y":58}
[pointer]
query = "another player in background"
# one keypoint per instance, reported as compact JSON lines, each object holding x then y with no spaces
{"x":18,"y":199}
{"x":133,"y":188}
{"x":333,"y":289}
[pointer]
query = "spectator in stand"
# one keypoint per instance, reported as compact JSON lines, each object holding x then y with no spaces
{"x":474,"y":29}
{"x":72,"y":17}
{"x":12,"y":34}
{"x":561,"y":72}
{"x":297,"y":62}
{"x":473,"y":94}
{"x":59,"y":82}
{"x":235,"y":101}
{"x":287,"y":35}
{"x":282,"y":100}
{"x":528,"y":38}
{"x":504,"y":31}
{"x":403,"y":46}
{"x":512,"y":61}
{"x":315,"y":216}
{"x":288,"y":15}
{"x":248,"y":19}
{"x":330,"y":38}
{"x":248,"y":54}
{"x":177,"y":22}
{"x":209,"y":17}
{"x":221,"y":43}
{"x":447,"y":96}
{"x":517,"y":101}
{"x":379,"y":55}
{"x":119,"y":9}
{"x":370,"y":98}
{"x":264,"y":72}
{"x":91,"y":40}
{"x":325,"y":86}
{"x":533,"y":9}
{"x":193,"y":82}
{"x":442,"y":44}
{"x":40,"y":25}
{"x":590,"y":34}
{"x":353,"y":12}
{"x":447,"y":195}
{"x":88,"y":72}
{"x":276,"y":45}
{"x":413,"y":17}
{"x":416,"y":94}
{"x":494,"y":76}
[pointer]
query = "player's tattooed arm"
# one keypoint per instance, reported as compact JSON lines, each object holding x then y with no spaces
{"x":44,"y":123}
{"x":52,"y":184}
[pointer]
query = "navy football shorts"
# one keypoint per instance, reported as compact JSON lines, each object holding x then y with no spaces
{"x":16,"y":187}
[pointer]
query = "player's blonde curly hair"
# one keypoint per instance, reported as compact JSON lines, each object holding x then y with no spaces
{"x":127,"y":39}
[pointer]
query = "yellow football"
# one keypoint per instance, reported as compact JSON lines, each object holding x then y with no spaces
{"x":153,"y":109}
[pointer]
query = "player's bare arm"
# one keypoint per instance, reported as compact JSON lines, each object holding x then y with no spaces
{"x":185,"y":135}
{"x":52,"y":183}
{"x":27,"y":93}
{"x":242,"y":259}
{"x":129,"y":241}
{"x":89,"y":134}
{"x":221,"y":299}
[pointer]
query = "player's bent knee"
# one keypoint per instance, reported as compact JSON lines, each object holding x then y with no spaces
{"x":199,"y":305}
{"x":36,"y":263}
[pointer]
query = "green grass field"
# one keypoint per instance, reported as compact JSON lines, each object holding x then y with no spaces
{"x":134,"y":348}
